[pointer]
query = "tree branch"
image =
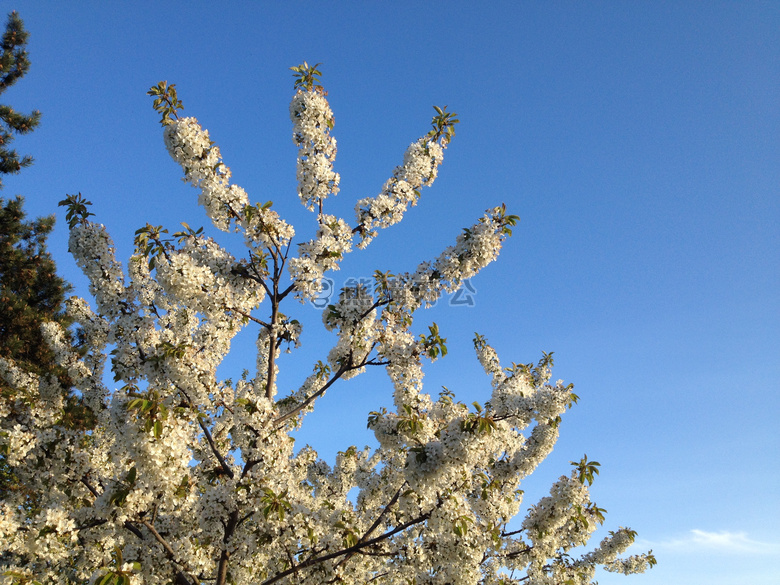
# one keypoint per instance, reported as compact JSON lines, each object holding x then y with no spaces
{"x":129,"y":525}
{"x":373,"y":527}
{"x":183,"y":577}
{"x":384,"y":511}
{"x":287,"y":416}
{"x":286,"y":291}
{"x":248,"y":316}
{"x":346,"y":551}
{"x":340,"y":372}
{"x":230,"y":527}
{"x":214,"y":449}
{"x":92,"y":490}
{"x":209,"y":439}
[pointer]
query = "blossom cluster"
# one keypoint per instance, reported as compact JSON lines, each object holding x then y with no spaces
{"x":312,"y":121}
{"x":190,"y":146}
{"x":474,"y":249}
{"x":331,"y":243}
{"x":419,"y":169}
{"x":264,"y":229}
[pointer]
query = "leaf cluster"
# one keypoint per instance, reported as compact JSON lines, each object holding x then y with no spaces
{"x":411,"y":421}
{"x":120,"y":495}
{"x":434,"y":344}
{"x":461,"y":524}
{"x":117,"y":576}
{"x":443,"y":125}
{"x":250,"y":211}
{"x":507,"y":221}
{"x":479,"y":422}
{"x":166,"y":103}
{"x":350,"y":537}
{"x":586,"y":470}
{"x":151,"y":411}
{"x":77,"y":211}
{"x":18,"y":578}
{"x":275,"y":504}
{"x":307,"y":77}
{"x":149,"y":240}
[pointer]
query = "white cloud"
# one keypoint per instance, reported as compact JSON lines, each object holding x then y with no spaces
{"x":723,"y":541}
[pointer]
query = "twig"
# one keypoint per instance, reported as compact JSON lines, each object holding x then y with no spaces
{"x":248,"y":316}
{"x":168,"y":550}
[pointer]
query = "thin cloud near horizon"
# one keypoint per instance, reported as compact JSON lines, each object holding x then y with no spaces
{"x":714,"y":541}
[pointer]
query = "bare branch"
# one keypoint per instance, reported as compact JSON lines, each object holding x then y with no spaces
{"x":286,"y":291}
{"x":92,"y":490}
{"x":248,"y":316}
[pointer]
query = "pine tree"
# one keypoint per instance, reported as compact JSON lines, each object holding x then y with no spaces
{"x":30,"y":290}
{"x":14,"y":65}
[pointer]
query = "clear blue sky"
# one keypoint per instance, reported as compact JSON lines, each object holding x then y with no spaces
{"x":639,"y":142}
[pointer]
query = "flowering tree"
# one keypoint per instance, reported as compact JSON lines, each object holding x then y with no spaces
{"x":189,"y":479}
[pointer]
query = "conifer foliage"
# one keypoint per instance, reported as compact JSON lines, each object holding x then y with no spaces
{"x":30,"y":290}
{"x":14,"y":65}
{"x":31,"y":293}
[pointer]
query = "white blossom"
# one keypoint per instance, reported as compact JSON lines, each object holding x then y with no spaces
{"x":312,"y":121}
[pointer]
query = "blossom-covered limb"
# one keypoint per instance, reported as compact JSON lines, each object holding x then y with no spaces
{"x":419,"y":169}
{"x":222,"y":567}
{"x":308,"y":398}
{"x":312,"y":122}
{"x":278,"y":422}
{"x":223,"y":464}
{"x":331,"y":243}
{"x":375,"y":525}
{"x":190,"y":146}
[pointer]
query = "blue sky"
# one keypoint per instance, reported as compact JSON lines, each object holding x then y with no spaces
{"x":638,"y":142}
